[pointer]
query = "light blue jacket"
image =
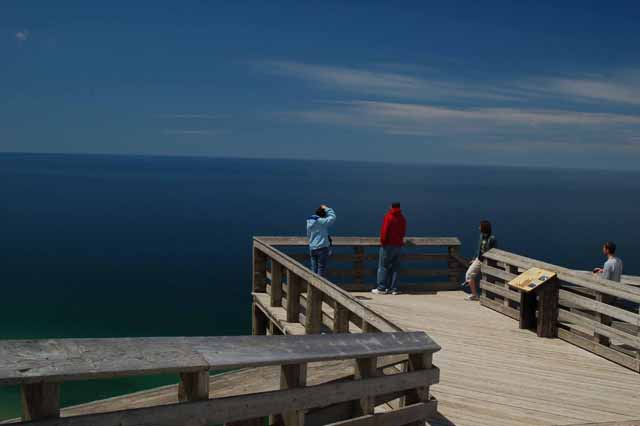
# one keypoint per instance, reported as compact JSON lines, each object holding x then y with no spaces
{"x":318,"y":230}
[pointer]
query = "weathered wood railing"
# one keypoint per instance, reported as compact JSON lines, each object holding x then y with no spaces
{"x":290,"y":299}
{"x":40,"y":366}
{"x":598,"y":315}
{"x":429,"y":264}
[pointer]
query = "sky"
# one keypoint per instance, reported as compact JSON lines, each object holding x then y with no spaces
{"x":531,"y":83}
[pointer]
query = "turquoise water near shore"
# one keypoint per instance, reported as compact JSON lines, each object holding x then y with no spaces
{"x":109,"y":246}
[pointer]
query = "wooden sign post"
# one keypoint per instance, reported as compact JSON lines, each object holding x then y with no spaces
{"x":538,"y":290}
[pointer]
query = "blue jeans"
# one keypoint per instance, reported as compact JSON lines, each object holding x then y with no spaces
{"x":319,"y":259}
{"x":388,"y":267}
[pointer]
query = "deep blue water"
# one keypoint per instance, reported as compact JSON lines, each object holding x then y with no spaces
{"x":104,"y":246}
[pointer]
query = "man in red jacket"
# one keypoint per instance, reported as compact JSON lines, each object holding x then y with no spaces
{"x":392,"y":235}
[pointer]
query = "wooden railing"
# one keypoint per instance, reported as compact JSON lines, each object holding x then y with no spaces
{"x":598,"y":315}
{"x":40,"y":366}
{"x":428,"y":264}
{"x":290,"y":299}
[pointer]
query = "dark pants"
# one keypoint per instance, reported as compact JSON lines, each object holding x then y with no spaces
{"x":388,"y":267}
{"x":319,"y":259}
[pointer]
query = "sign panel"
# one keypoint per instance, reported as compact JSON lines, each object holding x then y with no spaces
{"x":531,"y":279}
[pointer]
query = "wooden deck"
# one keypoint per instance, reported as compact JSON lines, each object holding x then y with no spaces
{"x":490,"y":372}
{"x":521,"y":379}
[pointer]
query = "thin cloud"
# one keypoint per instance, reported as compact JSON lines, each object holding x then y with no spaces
{"x":410,"y":82}
{"x":430,"y":114}
{"x":381,"y":83}
{"x":490,"y":124}
{"x":623,"y":87}
{"x":407,"y":102}
{"x":23,"y":35}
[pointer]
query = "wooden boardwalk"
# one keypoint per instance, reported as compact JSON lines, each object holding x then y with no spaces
{"x":492,"y":373}
{"x":496,"y":374}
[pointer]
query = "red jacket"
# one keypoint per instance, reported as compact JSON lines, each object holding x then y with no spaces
{"x":394,"y":228}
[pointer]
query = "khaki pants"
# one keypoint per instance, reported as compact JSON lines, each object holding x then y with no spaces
{"x":473,"y":273}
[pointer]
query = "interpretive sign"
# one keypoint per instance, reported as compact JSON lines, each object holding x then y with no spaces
{"x":532,"y":279}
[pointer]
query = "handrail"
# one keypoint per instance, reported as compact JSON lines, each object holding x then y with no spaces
{"x":325,"y":286}
{"x":570,"y":276}
{"x":361,"y":241}
{"x":598,"y":315}
{"x":429,"y":263}
{"x":58,"y":360}
{"x":632,"y":280}
{"x":39,"y":366}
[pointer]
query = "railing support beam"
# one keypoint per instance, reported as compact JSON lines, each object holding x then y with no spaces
{"x":454,"y":266}
{"x":358,"y":265}
{"x":420,"y":361}
{"x":259,"y":271}
{"x":293,"y":297}
{"x":313,"y":319}
{"x":340,"y":319}
{"x":292,"y":376}
{"x":365,"y":368}
{"x":40,"y":401}
{"x":259,"y":321}
{"x":276,"y":284}
{"x":193,"y":386}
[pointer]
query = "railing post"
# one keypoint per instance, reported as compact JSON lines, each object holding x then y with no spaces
{"x":292,"y":376}
{"x":259,"y":321}
{"x":505,"y":301}
{"x":340,"y":319}
{"x":276,"y":284}
{"x":293,"y":297}
{"x":603,"y":319}
{"x":40,"y":401}
{"x":513,"y":270}
{"x":368,"y":328}
{"x":365,"y":368}
{"x":420,"y":361}
{"x":313,"y":316}
{"x":454,"y":267}
{"x":358,"y":265}
{"x":487,"y":278}
{"x":193,"y":386}
{"x":259,"y":271}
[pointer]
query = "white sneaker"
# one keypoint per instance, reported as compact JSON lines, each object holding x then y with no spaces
{"x":395,"y":292}
{"x":471,"y":297}
{"x":376,"y":291}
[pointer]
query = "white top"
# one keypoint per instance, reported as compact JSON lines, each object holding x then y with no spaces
{"x":612,"y":269}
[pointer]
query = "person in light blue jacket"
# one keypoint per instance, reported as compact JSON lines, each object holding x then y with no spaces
{"x":319,"y":240}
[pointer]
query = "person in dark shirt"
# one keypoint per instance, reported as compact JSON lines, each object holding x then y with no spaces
{"x":486,"y":242}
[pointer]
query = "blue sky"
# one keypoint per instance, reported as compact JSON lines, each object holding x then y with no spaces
{"x":522,"y":82}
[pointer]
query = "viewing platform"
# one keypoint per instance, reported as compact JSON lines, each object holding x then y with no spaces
{"x":428,"y":355}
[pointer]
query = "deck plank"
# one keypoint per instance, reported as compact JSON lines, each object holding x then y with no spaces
{"x":492,"y":373}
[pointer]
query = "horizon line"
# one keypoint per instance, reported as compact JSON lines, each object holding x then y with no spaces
{"x":301,"y":159}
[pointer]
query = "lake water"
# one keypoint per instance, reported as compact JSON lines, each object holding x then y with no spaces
{"x":109,"y":246}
